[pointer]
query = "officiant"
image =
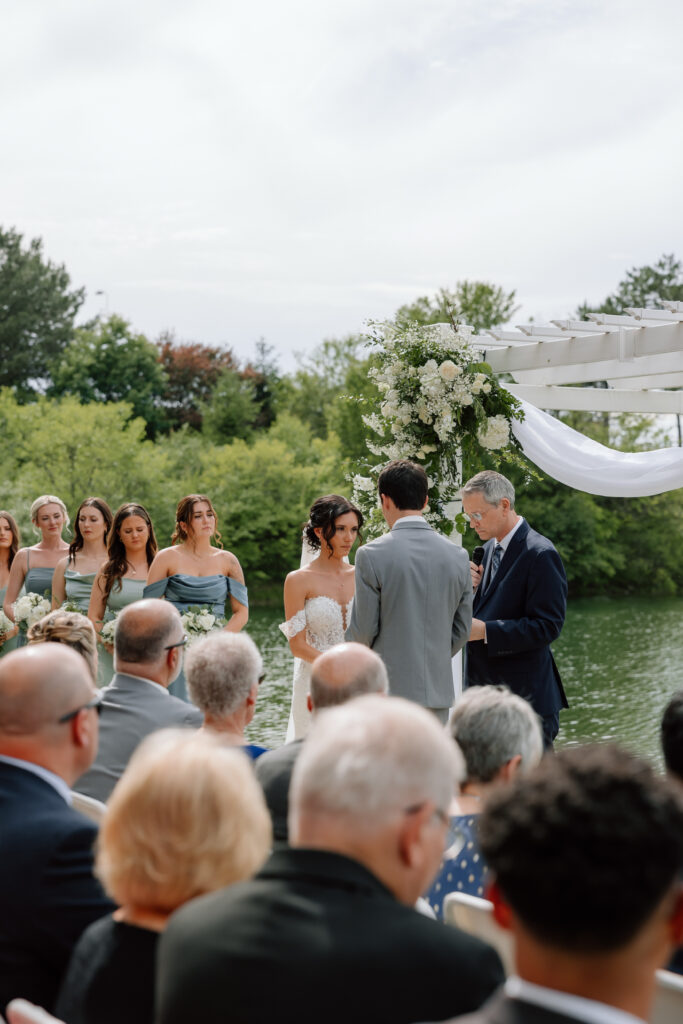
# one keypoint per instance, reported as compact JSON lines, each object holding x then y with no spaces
{"x":520,"y":601}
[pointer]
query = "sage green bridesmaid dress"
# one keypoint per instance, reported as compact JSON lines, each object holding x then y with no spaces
{"x":131,"y":590}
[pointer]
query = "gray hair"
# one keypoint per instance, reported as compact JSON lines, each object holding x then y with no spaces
{"x":491,"y":726}
{"x":366,"y":674}
{"x":221,"y":670}
{"x":492,"y":486}
{"x":371,"y":759}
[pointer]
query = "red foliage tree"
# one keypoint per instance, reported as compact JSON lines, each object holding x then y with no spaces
{"x":192,"y":371}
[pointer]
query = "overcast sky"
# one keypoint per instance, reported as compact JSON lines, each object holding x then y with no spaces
{"x":290,"y":168}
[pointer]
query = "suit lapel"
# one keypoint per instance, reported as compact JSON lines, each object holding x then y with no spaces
{"x":507,"y":561}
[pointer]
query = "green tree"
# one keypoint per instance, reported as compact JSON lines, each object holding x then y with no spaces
{"x":264,"y":373}
{"x":37,"y":312}
{"x":110,"y":363}
{"x":478,"y":303}
{"x":320,"y":380}
{"x":232,"y":409}
{"x":643,"y":286}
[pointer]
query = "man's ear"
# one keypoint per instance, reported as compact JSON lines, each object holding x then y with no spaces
{"x":83,"y":726}
{"x":501,"y":911}
{"x":509,"y":769}
{"x":410,"y":835}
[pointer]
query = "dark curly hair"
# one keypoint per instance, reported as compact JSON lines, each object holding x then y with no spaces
{"x":671,"y":734}
{"x":115,"y":567}
{"x":585,"y":847}
{"x":16,"y":536}
{"x":324,"y":514}
{"x":102,"y":507}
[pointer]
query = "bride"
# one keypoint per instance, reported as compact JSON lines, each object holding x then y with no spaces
{"x":319,"y":595}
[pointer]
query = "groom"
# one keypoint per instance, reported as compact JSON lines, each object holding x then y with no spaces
{"x":413,"y":602}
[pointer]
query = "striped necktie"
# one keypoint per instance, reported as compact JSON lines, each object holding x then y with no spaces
{"x":495,"y":563}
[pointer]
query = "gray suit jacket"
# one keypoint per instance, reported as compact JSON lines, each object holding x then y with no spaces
{"x":131,"y":709}
{"x":413,"y":606}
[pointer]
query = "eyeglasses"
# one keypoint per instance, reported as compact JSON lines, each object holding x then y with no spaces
{"x":181,"y":643}
{"x":95,"y":703}
{"x":478,"y":516}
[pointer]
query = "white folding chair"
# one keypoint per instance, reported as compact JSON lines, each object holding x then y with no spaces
{"x":668,"y":1005}
{"x":20,"y":1011}
{"x":88,"y":805}
{"x":475,"y":916}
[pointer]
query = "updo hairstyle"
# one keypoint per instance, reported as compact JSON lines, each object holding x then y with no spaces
{"x":16,"y":536}
{"x":183,"y":519}
{"x":102,"y":507}
{"x":47,"y":499}
{"x":324,"y":514}
{"x":70,"y":628}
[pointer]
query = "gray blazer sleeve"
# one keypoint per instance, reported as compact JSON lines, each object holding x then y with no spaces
{"x":462,"y":620}
{"x":365,"y":617}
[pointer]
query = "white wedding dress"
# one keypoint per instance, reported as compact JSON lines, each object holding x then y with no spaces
{"x":325,"y":622}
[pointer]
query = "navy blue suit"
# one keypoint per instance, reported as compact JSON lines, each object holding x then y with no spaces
{"x":523,"y":608}
{"x":48,"y":893}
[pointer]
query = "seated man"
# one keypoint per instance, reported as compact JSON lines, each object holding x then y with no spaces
{"x":223,"y":673}
{"x":342,"y":672}
{"x":148,"y":655}
{"x":48,"y":894}
{"x":587,"y":851}
{"x":329,"y":923}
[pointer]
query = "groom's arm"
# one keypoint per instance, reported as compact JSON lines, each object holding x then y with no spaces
{"x":462,"y":620}
{"x":365,"y":617}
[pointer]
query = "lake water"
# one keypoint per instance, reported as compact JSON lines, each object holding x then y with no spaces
{"x":620,"y":661}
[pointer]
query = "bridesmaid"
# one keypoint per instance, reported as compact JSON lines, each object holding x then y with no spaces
{"x":75,"y":574}
{"x":121,"y":580}
{"x":194,"y":572}
{"x":10,"y":542}
{"x":33,"y":568}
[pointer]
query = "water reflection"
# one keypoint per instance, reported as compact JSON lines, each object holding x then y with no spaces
{"x":620,"y":662}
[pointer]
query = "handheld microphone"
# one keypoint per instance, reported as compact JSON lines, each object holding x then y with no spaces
{"x":478,"y":555}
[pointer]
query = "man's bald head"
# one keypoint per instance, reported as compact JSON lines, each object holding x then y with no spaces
{"x":144,"y":629}
{"x":345,"y":671}
{"x":39,"y":684}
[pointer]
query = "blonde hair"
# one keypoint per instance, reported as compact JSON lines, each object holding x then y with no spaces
{"x":47,"y":499}
{"x":70,"y":628}
{"x":186,"y":817}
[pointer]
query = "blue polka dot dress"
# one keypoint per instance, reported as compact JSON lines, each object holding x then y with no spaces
{"x":462,"y":868}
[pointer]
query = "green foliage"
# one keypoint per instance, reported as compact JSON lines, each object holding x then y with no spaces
{"x":312,"y":391}
{"x":232,"y":409}
{"x":192,"y":371}
{"x":478,"y":303}
{"x":264,"y":373}
{"x":37,"y":312}
{"x":643,"y":286}
{"x":110,"y":363}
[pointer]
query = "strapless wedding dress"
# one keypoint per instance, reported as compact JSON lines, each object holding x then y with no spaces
{"x":325,"y":622}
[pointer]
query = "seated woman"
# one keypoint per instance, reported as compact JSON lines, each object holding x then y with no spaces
{"x":223,"y":672}
{"x":498,"y":734}
{"x":68,"y":628}
{"x":187,"y":817}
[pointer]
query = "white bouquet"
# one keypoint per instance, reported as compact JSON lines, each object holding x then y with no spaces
{"x":6,"y":626}
{"x":199,"y":621}
{"x":29,"y":609}
{"x":71,"y":606}
{"x":108,"y":631}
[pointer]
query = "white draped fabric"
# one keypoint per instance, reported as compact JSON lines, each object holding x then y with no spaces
{"x":576,"y":460}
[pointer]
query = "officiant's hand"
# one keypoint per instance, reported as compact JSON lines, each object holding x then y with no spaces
{"x":476,"y":572}
{"x":478,"y":631}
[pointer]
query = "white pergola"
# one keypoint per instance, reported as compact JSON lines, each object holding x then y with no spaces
{"x":639,"y":355}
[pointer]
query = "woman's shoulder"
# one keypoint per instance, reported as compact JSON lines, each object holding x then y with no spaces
{"x":168,"y":557}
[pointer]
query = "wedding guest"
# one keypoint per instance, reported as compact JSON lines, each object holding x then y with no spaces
{"x":33,"y":567}
{"x":74,"y":576}
{"x":587,"y":852}
{"x":195,"y":573}
{"x":329,"y":922}
{"x":338,"y":675}
{"x":499,"y":735}
{"x":48,"y":893}
{"x":148,"y":654}
{"x":121,"y":580}
{"x":186,"y":818}
{"x":224,"y":671}
{"x":68,"y":628}
{"x":10,"y":542}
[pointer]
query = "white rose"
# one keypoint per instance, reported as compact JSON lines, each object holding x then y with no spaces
{"x":495,"y":433}
{"x":448,"y":370}
{"x":486,"y":388}
{"x":206,"y":621}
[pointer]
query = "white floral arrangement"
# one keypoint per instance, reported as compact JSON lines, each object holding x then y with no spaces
{"x":29,"y":609}
{"x":108,"y":632}
{"x":6,"y":626}
{"x":440,"y":404}
{"x":71,"y":606}
{"x":199,"y":621}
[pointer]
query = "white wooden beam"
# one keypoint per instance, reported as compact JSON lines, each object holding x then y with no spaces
{"x":600,"y":399}
{"x":584,"y":373}
{"x":662,"y":380}
{"x":654,"y":314}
